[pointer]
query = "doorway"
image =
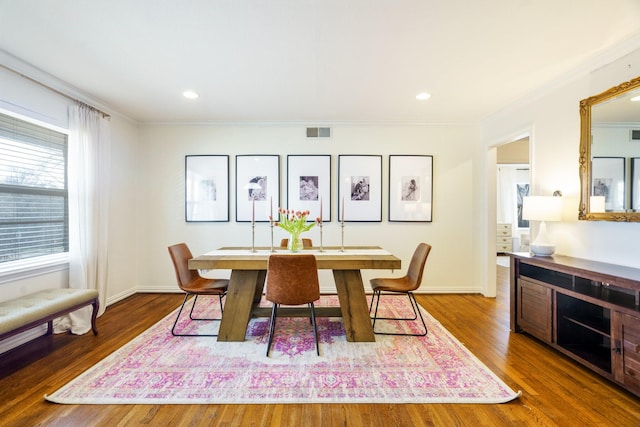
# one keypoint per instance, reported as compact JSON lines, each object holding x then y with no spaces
{"x":512,"y":184}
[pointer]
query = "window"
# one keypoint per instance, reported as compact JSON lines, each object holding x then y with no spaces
{"x":34,"y":218}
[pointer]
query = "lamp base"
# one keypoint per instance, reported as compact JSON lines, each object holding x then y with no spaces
{"x":542,"y":249}
{"x":542,"y":246}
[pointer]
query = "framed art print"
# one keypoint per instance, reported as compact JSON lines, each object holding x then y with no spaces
{"x":635,"y":184}
{"x":410,"y":188}
{"x":608,"y":175}
{"x":360,"y":188}
{"x":522,"y":191}
{"x":257,"y":187}
{"x":309,"y":185}
{"x":206,"y":188}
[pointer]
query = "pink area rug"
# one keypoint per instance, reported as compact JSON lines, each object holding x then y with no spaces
{"x":158,"y":368}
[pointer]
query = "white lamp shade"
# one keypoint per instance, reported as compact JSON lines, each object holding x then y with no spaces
{"x":542,"y":208}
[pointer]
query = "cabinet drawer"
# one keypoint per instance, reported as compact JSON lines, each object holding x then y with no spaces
{"x":503,"y":240}
{"x":503,"y":230}
{"x":503,"y":247}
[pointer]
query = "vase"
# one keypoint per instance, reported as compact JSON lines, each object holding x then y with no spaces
{"x":295,"y":243}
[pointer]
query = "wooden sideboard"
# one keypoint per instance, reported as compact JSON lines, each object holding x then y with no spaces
{"x":587,"y":310}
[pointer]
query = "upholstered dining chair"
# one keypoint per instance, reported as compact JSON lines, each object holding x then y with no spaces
{"x":292,"y":280}
{"x":306,"y":243}
{"x":192,"y":283}
{"x":402,"y":285}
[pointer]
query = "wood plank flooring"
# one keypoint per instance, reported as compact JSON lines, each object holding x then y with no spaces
{"x":556,"y":390}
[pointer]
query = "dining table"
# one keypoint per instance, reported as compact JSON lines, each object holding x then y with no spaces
{"x":249,"y":269}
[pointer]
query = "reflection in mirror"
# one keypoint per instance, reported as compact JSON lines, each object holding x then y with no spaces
{"x":610,"y":154}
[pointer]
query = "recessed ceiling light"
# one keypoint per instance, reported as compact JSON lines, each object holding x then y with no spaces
{"x":635,"y":98}
{"x":422,"y":96}
{"x":189,"y":94}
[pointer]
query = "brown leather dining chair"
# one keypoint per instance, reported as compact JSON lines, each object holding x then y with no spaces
{"x":402,"y":285}
{"x":292,"y":280}
{"x":192,"y":283}
{"x":306,"y":243}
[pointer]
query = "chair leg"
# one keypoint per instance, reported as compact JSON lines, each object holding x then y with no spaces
{"x":272,"y":326}
{"x":409,"y":294}
{"x":173,"y":329}
{"x":373,"y":297}
{"x":414,"y":307}
{"x":375,"y":314}
{"x":206,"y":318}
{"x":315,"y":326}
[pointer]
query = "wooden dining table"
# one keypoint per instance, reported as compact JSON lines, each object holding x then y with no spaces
{"x":249,"y":270}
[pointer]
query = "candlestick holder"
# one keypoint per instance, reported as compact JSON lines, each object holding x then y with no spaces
{"x":271,"y":225}
{"x":321,"y":246}
{"x":342,"y":238}
{"x":253,"y":237}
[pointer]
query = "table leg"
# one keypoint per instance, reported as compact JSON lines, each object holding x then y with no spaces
{"x":353,"y":304}
{"x":244,"y":287}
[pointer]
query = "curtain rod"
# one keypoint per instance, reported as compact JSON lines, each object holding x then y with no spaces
{"x":104,"y":115}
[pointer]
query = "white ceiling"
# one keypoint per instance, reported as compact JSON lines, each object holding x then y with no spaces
{"x":312,"y":61}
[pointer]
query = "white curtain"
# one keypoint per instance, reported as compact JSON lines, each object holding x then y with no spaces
{"x":506,"y":195}
{"x":89,"y":158}
{"x":512,"y":179}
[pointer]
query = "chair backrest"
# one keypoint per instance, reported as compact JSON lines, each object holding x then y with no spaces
{"x":292,"y":279}
{"x":306,"y":243}
{"x":180,"y":255}
{"x":416,"y":266}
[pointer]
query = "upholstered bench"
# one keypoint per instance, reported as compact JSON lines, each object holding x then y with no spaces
{"x":28,"y":311}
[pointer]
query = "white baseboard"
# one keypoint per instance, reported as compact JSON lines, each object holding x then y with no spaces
{"x":39,"y":331}
{"x":119,"y":297}
{"x":328,"y":288}
{"x":448,"y":290}
{"x":158,"y":289}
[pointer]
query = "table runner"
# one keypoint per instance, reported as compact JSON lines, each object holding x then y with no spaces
{"x":313,"y":251}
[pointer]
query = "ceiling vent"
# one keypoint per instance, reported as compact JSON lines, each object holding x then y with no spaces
{"x":318,"y":132}
{"x":635,"y":134}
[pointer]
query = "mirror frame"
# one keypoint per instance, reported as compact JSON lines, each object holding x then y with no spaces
{"x":585,"y":156}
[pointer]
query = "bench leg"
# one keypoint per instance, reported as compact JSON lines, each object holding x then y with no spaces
{"x":94,"y":315}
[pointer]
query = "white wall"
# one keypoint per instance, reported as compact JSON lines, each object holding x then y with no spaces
{"x":554,"y":118}
{"x":123,"y":247}
{"x":455,"y":149}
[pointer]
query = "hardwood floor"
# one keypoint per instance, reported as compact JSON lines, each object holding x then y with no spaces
{"x":555,"y":390}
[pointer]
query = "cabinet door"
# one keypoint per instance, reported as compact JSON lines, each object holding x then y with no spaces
{"x":626,"y":351}
{"x":535,"y":309}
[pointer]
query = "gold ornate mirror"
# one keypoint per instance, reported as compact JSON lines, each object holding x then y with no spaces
{"x":610,"y":154}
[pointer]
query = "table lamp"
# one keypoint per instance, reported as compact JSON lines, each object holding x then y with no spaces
{"x":542,"y":208}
